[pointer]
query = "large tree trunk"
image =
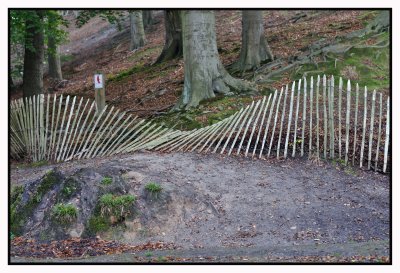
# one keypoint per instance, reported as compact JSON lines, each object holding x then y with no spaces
{"x":255,"y":48}
{"x":53,"y":56}
{"x":147,"y":18}
{"x":138,"y":38}
{"x":204,"y":73}
{"x":173,"y":47}
{"x":34,"y":55}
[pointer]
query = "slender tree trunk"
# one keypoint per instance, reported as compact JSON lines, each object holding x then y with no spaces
{"x":255,"y":48}
{"x":147,"y":18}
{"x":54,"y":59}
{"x":33,"y":59}
{"x":173,"y":47}
{"x":204,"y":73}
{"x":138,"y":38}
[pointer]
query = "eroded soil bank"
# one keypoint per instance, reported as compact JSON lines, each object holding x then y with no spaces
{"x":243,"y":207}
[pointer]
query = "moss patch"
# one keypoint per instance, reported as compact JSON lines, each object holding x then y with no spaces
{"x":71,"y":186}
{"x":97,"y":224}
{"x":20,"y":212}
{"x":365,"y":66}
{"x":209,"y":112}
{"x":125,"y":73}
{"x":33,"y":164}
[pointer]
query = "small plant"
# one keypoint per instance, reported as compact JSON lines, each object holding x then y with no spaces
{"x":12,"y":236}
{"x":153,"y":187}
{"x":106,"y":180}
{"x":118,"y":206}
{"x":148,"y":254}
{"x":64,"y":213}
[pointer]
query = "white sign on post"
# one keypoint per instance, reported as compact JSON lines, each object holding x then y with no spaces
{"x":98,"y":81}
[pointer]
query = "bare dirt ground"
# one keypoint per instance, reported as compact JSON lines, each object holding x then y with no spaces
{"x":233,"y":209}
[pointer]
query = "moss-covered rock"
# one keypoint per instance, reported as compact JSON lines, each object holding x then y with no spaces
{"x":57,"y":207}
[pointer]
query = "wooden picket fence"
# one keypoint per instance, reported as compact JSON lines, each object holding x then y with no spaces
{"x":59,"y":128}
{"x":313,"y":117}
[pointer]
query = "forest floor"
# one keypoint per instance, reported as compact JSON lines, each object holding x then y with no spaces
{"x":135,"y":85}
{"x":231,"y":209}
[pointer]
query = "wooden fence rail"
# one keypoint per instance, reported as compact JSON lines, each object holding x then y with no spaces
{"x":337,"y":123}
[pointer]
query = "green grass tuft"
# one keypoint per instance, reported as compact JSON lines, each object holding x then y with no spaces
{"x":153,"y":187}
{"x":107,"y":180}
{"x":64,"y":213}
{"x":118,"y":206}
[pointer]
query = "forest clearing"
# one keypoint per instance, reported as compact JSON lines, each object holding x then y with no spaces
{"x":200,"y":136}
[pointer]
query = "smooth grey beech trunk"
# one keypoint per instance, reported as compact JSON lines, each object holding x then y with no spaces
{"x":204,"y":73}
{"x":54,"y":59}
{"x":173,"y":47}
{"x":33,"y":58}
{"x":138,"y":38}
{"x":255,"y":49}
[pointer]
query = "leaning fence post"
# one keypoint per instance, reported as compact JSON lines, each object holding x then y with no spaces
{"x":289,"y":119}
{"x":304,"y":117}
{"x":282,"y":120}
{"x":275,"y":120}
{"x":296,"y":118}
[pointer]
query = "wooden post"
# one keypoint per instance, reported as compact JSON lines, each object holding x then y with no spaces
{"x":99,"y":91}
{"x":271,"y":110}
{"x":276,"y":118}
{"x":304,"y":117}
{"x":255,"y":125}
{"x":282,"y":120}
{"x":296,"y":118}
{"x":379,"y":132}
{"x":261,"y":125}
{"x":289,"y":119}
{"x":387,"y":135}
{"x":332,"y":121}
{"x":325,"y":115}
{"x":347,"y":119}
{"x":371,"y":129}
{"x":364,"y":127}
{"x":355,"y":123}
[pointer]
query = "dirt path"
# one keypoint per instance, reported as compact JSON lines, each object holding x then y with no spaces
{"x":212,"y":202}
